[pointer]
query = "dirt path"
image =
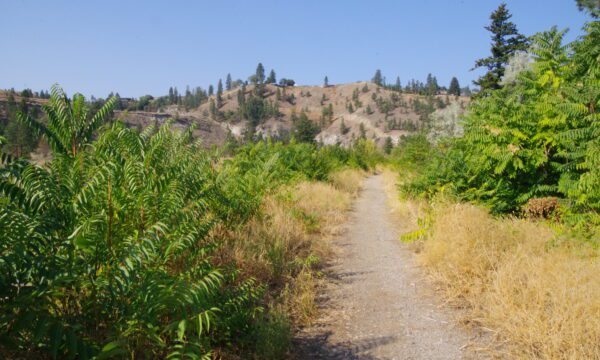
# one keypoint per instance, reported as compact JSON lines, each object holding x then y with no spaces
{"x":378,"y":304}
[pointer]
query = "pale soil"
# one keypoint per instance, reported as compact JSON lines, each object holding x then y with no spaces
{"x":377,"y":303}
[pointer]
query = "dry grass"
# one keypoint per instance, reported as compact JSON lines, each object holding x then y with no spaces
{"x":347,"y":180}
{"x":406,"y":211}
{"x":543,"y":300}
{"x":535,"y":289}
{"x":284,"y":246}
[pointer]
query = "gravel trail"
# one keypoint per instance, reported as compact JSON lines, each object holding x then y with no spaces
{"x":377,"y":303}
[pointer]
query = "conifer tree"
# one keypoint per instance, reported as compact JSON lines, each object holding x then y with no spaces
{"x":506,"y":41}
{"x":362,"y":131}
{"x":343,"y":128}
{"x":260,"y":74}
{"x":219,"y":94}
{"x":454,"y":88}
{"x":388,"y":145}
{"x":305,"y":130}
{"x":211,"y":90}
{"x":272,"y":79}
{"x":228,"y":82}
{"x":326,"y":82}
{"x":398,"y":85}
{"x":377,"y":78}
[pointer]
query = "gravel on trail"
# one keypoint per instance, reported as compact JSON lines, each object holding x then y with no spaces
{"x":377,"y":303}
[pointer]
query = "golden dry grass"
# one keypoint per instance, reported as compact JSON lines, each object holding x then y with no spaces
{"x":543,"y":300}
{"x":285,"y":244}
{"x":347,"y":180}
{"x":406,"y":211}
{"x":534,"y":288}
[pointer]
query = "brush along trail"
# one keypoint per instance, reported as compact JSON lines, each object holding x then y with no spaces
{"x":377,"y":304}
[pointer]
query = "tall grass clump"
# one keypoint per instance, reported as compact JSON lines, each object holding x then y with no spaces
{"x":533,"y":288}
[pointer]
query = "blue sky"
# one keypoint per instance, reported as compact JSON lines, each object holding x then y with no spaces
{"x":143,"y":47}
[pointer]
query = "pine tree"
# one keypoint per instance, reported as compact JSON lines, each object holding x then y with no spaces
{"x":219,"y":94}
{"x":343,"y":128}
{"x":228,"y":82}
{"x":272,"y":79}
{"x":398,"y":85}
{"x":260,"y":74}
{"x":388,"y":145}
{"x":377,"y":78}
{"x":362,"y":131}
{"x":213,"y":108}
{"x":506,"y":41}
{"x":211,"y":90}
{"x":454,"y":88}
{"x":326,"y":82}
{"x":305,"y":130}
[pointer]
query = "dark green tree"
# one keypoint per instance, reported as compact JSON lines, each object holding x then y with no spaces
{"x":506,"y":41}
{"x":326,"y":82}
{"x":255,"y":110}
{"x":388,"y":145}
{"x":343,"y":128}
{"x":219,"y":94}
{"x":305,"y":130}
{"x":272,"y":79}
{"x":362,"y":131}
{"x":228,"y":82}
{"x":454,"y":88}
{"x":260,"y":74}
{"x":377,"y":78}
{"x":398,"y":85}
{"x":211,"y":90}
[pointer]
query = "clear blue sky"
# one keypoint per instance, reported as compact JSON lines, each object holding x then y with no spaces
{"x":143,"y":47}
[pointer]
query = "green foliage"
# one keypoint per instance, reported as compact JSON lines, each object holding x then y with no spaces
{"x":107,"y":252}
{"x":388,"y":146}
{"x":535,"y":137}
{"x":305,"y":130}
{"x":272,"y":79}
{"x":377,"y":78}
{"x":454,"y":88}
{"x":69,"y":126}
{"x":506,"y":41}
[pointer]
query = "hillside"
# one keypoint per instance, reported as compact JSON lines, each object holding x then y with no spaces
{"x":391,"y":113}
{"x":337,"y":110}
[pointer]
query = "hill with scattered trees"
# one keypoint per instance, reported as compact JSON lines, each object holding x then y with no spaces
{"x":242,"y":111}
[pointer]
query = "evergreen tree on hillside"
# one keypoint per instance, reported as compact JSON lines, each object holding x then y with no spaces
{"x":171,"y":95}
{"x":211,"y":90}
{"x":454,"y":88}
{"x":398,"y":85}
{"x":228,"y":82}
{"x":431,"y":85}
{"x":377,"y":78}
{"x":326,"y":82}
{"x":388,"y":145}
{"x":506,"y":41}
{"x":362,"y":131}
{"x":272,"y":79}
{"x":343,"y":128}
{"x":219,"y":94}
{"x":305,"y":130}
{"x":260,"y":74}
